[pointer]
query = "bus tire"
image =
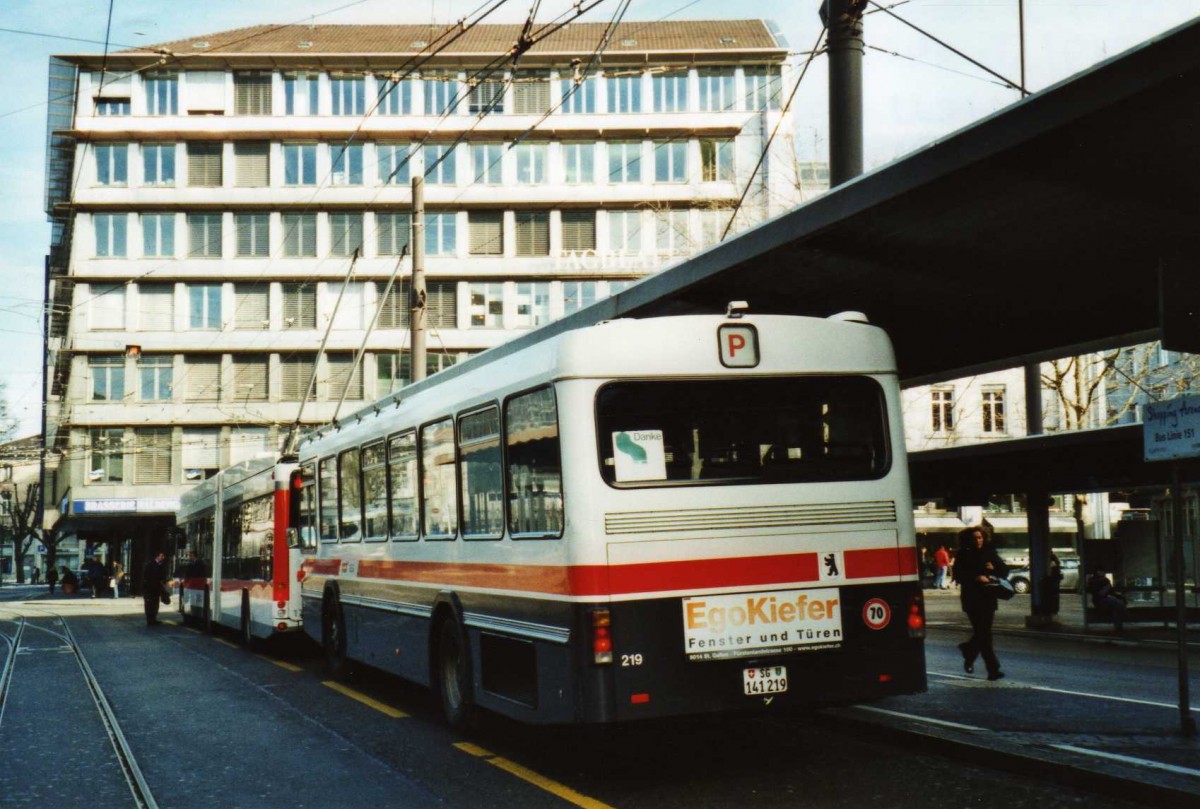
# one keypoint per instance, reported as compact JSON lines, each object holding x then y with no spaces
{"x":247,"y":631}
{"x":453,"y":674}
{"x":333,"y":635}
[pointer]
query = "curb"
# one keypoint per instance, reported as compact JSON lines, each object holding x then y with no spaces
{"x":1045,"y":763}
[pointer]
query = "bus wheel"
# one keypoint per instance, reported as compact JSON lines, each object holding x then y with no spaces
{"x":246,"y":631}
{"x":453,"y":675}
{"x":333,"y":636}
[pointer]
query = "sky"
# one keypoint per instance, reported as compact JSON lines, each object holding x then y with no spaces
{"x":915,"y":90}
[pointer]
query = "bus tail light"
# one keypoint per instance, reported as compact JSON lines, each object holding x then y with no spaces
{"x":916,"y":615}
{"x":601,"y":637}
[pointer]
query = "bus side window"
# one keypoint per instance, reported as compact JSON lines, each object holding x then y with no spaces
{"x":402,"y":498}
{"x":533,"y":475}
{"x":479,"y":471}
{"x":327,"y":514}
{"x":350,"y":502}
{"x":439,"y":506}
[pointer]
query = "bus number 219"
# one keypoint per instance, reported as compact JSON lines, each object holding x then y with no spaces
{"x":631,"y":660}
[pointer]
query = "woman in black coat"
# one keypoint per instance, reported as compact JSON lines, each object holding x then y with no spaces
{"x":976,"y":563}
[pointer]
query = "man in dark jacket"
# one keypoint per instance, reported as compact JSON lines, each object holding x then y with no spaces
{"x":975,"y":565}
{"x":154,"y":576}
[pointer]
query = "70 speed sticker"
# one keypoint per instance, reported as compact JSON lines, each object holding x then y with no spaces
{"x":876,"y":613}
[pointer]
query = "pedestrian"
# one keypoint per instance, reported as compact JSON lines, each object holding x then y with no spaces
{"x":96,"y":577}
{"x":975,"y":566}
{"x":154,"y":578}
{"x":941,"y":559}
{"x":70,"y":582}
{"x":118,"y":579}
{"x":51,"y":578}
{"x":1105,"y":598}
{"x":36,"y":576}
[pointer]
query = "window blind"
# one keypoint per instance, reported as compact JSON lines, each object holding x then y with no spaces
{"x":205,"y":91}
{"x":107,"y":307}
{"x":203,"y":375}
{"x":252,"y":93}
{"x":578,"y":230}
{"x":202,"y":448}
{"x":251,"y":375}
{"x":251,"y":307}
{"x":252,"y":164}
{"x":531,"y":93}
{"x":156,"y":307}
{"x":253,"y":234}
{"x":294,"y":375}
{"x":299,"y":235}
{"x":204,"y":164}
{"x":342,"y":375}
{"x":394,"y":312}
{"x":533,"y":233}
{"x":441,"y":304}
{"x":487,"y":233}
{"x":153,"y":455}
{"x":299,"y":306}
{"x":393,"y":232}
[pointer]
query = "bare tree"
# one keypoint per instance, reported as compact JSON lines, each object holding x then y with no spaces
{"x":8,"y":424}
{"x":21,"y":514}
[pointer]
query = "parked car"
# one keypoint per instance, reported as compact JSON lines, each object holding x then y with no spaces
{"x":1022,"y":580}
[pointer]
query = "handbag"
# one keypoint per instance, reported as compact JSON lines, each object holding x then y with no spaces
{"x":165,"y":597}
{"x":1001,"y":589}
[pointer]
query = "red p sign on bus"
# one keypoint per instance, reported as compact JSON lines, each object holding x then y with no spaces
{"x":738,"y":345}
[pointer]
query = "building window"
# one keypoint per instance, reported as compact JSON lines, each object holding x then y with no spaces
{"x":487,"y":305}
{"x":158,"y":164}
{"x":112,"y":106}
{"x":441,"y":91}
{"x":112,"y":163}
{"x":204,"y":306}
{"x":579,"y":162}
{"x":531,"y":93}
{"x":395,"y":96}
{"x":295,"y":374}
{"x":250,"y":378}
{"x":487,"y":160}
{"x":344,"y":375}
{"x":486,"y":98}
{"x":252,"y":93}
{"x":625,"y":161}
{"x":204,"y":164}
{"x":108,"y":378}
{"x":299,"y":235}
{"x":111,"y":229}
{"x":157,"y":235}
{"x":299,"y":164}
{"x":394,"y":371}
{"x":625,"y":92}
{"x":152,"y":458}
{"x":300,"y":93}
{"x":441,"y":234}
{"x":578,"y":294}
{"x":533,"y":304}
{"x":670,"y":161}
{"x":299,"y":306}
{"x":993,"y":411}
{"x":202,"y":376}
{"x":394,"y":308}
{"x":253,"y":235}
{"x":672,"y":233}
{"x":713,"y":222}
{"x":347,"y":164}
{"x":716,"y":160}
{"x":716,"y":89}
{"x":578,"y":231}
{"x":942,"y":410}
{"x":670,"y":91}
{"x":204,"y":235}
{"x":156,"y":307}
{"x":106,"y":453}
{"x":764,"y":86}
{"x":578,"y":97}
{"x":487,"y":233}
{"x":625,"y":232}
{"x":162,"y":93}
{"x":251,"y":307}
{"x":107,"y":308}
{"x":533,"y":233}
{"x":155,"y":377}
{"x":439,"y":163}
{"x":346,"y":233}
{"x":201,"y":453}
{"x":349,"y":94}
{"x":531,"y":163}
{"x":393,"y":161}
{"x":392,"y":232}
{"x":252,"y":164}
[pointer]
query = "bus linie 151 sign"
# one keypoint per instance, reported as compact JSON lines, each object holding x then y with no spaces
{"x":1171,"y":429}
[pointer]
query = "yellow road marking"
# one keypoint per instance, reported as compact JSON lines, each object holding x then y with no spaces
{"x":192,"y":629}
{"x":365,"y":700}
{"x":282,"y":664}
{"x":227,"y":643}
{"x":525,"y":774}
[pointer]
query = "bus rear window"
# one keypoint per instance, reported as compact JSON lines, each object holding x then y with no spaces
{"x":747,"y":431}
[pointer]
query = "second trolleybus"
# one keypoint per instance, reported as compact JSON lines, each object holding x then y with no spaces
{"x":637,"y":519}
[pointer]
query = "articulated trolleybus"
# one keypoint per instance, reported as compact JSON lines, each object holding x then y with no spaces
{"x":642,"y":518}
{"x":245,"y":577}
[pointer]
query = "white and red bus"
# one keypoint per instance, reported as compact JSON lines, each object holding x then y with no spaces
{"x":637,"y":519}
{"x":244,"y":578}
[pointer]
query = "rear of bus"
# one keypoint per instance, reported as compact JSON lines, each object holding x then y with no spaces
{"x":739,"y":516}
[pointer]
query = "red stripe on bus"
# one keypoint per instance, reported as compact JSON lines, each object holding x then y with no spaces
{"x":648,"y":577}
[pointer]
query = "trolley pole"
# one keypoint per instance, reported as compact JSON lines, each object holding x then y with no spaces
{"x":416,"y":370}
{"x":845,"y":44}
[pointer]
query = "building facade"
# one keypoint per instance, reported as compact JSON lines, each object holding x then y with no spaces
{"x":221,"y":205}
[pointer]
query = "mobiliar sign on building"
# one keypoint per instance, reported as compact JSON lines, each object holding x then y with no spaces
{"x":1171,"y":430}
